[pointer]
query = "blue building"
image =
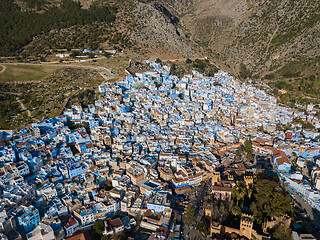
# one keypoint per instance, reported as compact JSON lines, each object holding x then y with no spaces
{"x":27,"y":218}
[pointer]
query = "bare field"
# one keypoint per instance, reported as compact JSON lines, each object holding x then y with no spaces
{"x":26,"y":73}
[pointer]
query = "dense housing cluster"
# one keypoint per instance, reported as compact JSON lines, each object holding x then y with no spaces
{"x":148,"y":137}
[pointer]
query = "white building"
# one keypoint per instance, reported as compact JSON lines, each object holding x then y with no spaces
{"x":41,"y":232}
{"x":78,"y":169}
{"x":23,"y":169}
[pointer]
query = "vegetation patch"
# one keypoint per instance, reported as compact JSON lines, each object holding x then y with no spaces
{"x":203,"y":66}
{"x":18,"y":27}
{"x":45,"y":98}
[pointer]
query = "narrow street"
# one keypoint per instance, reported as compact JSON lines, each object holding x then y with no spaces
{"x":311,"y":218}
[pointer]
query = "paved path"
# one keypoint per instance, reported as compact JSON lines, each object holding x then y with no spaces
{"x":310,"y":212}
{"x":304,"y":205}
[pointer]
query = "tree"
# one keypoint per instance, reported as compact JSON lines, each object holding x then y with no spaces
{"x":282,"y":233}
{"x":158,"y":60}
{"x":189,"y":215}
{"x":108,"y":237}
{"x":239,"y":192}
{"x":74,"y":54}
{"x":173,"y":69}
{"x":248,"y":150}
{"x":188,"y":60}
{"x":236,"y":210}
{"x":202,"y":227}
{"x":98,"y":226}
{"x":244,"y":72}
{"x":199,"y":65}
{"x":248,"y":146}
{"x":107,"y":185}
{"x":257,"y":214}
{"x":249,"y":192}
{"x":221,"y":210}
{"x":269,"y":200}
{"x":211,"y":70}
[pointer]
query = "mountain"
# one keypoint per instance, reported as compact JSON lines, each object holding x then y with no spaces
{"x":263,"y":35}
{"x":154,"y":29}
{"x":256,"y":38}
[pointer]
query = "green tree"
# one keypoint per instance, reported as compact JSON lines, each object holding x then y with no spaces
{"x":173,"y":69}
{"x":236,"y":210}
{"x":248,"y":146}
{"x":189,"y":215}
{"x":248,"y":150}
{"x":74,"y":54}
{"x":221,"y":210}
{"x":202,"y":227}
{"x":200,"y":65}
{"x":282,"y":233}
{"x":108,"y":237}
{"x":269,"y":200}
{"x":18,"y":27}
{"x":244,"y":72}
{"x":188,"y":60}
{"x":239,"y":192}
{"x":107,"y":185}
{"x":249,"y":192}
{"x":98,"y":226}
{"x":211,"y":70}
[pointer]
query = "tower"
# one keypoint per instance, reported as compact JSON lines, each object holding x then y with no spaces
{"x":248,"y":179}
{"x":246,"y":224}
{"x":215,"y":178}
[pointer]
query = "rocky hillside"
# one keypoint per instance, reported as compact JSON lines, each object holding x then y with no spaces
{"x":154,"y":29}
{"x":262,"y":36}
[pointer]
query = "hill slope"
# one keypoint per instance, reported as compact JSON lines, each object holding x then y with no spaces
{"x":264,"y":35}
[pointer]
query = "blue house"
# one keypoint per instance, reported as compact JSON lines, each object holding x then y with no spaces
{"x":27,"y":218}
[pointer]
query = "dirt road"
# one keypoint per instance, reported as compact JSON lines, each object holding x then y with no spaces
{"x":3,"y":68}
